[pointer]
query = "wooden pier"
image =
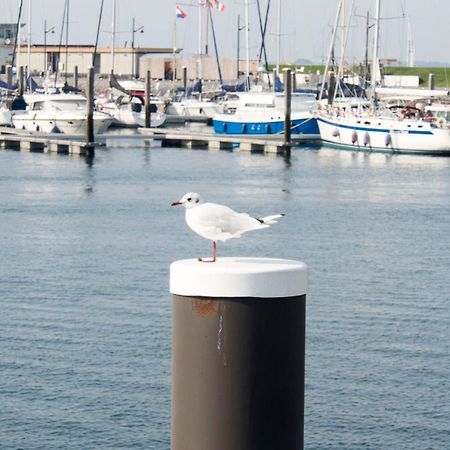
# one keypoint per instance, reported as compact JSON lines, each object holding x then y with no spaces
{"x":191,"y":138}
{"x":43,"y":142}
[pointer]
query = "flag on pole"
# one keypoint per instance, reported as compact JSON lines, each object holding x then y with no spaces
{"x":180,"y":14}
{"x":215,"y":4}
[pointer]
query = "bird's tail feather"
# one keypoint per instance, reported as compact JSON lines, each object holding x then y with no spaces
{"x":269,"y":220}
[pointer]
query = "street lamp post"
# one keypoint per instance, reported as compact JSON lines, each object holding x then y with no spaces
{"x":46,"y":31}
{"x":134,"y":30}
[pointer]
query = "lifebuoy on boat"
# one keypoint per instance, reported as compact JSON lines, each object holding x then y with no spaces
{"x":388,"y":140}
{"x":354,"y":137}
{"x":366,"y":139}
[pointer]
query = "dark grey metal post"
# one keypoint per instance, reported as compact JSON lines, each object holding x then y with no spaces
{"x":431,"y":84}
{"x":148,"y":92}
{"x":20,"y":82}
{"x":90,"y":138}
{"x":9,"y":74}
{"x":238,"y":354}
{"x":185,"y":80}
{"x":75,"y":77}
{"x":331,"y":87}
{"x":287,"y":116}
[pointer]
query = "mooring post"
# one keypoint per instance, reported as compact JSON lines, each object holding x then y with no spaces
{"x":185,"y":80}
{"x":275,"y":74}
{"x":75,"y":77}
{"x":431,"y":84}
{"x":287,"y":116}
{"x":90,"y":138}
{"x":148,"y":94}
{"x":20,"y":82}
{"x":331,"y":87}
{"x":9,"y":73}
{"x":238,"y":354}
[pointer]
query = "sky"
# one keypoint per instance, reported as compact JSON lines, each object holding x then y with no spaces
{"x":306,"y":26}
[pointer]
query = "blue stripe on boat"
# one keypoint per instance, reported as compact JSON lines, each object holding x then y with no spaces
{"x":378,"y":130}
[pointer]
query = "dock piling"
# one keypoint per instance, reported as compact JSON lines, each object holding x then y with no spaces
{"x":431,"y":81}
{"x":20,"y":82}
{"x":75,"y":77}
{"x":9,"y":74}
{"x":287,"y":116}
{"x":185,"y":80}
{"x":90,"y":138}
{"x":148,"y":94}
{"x":238,"y":354}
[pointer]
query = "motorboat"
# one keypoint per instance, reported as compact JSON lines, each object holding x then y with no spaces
{"x":130,"y":112}
{"x":58,"y":112}
{"x":264,"y":113}
{"x":192,"y":110}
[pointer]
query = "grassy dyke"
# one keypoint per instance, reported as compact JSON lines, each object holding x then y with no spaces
{"x":441,"y":74}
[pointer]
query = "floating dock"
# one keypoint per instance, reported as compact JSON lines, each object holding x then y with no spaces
{"x":34,"y":141}
{"x":267,"y":143}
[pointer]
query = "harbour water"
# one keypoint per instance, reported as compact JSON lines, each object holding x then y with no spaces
{"x":85,"y":312}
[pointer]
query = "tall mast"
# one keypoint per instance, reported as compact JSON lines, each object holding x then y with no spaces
{"x":410,"y":59}
{"x":330,"y":52}
{"x":279,"y":38}
{"x":29,"y":46}
{"x":200,"y":40}
{"x":247,"y":46}
{"x":67,"y":39}
{"x":343,"y":36}
{"x":375,"y":48}
{"x":174,"y":68}
{"x":113,"y":35}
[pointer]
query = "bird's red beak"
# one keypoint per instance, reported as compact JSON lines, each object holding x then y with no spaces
{"x":176,"y":203}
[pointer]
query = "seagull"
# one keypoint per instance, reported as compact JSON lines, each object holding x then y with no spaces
{"x":218,"y":222}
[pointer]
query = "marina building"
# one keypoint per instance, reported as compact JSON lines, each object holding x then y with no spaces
{"x":127,"y":61}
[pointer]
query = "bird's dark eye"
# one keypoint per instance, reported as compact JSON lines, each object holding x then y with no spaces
{"x":189,"y":199}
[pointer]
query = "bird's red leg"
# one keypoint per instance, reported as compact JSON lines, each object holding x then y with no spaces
{"x":214,"y":255}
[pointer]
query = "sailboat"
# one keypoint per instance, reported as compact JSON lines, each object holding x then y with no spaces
{"x":57,"y":111}
{"x":376,"y":128}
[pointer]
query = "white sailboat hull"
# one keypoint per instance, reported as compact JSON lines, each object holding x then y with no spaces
{"x":386,"y":135}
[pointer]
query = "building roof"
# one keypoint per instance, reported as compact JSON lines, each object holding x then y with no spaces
{"x":89,"y":49}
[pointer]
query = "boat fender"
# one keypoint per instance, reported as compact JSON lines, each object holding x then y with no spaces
{"x":388,"y":140}
{"x":366,"y":139}
{"x":354,"y":137}
{"x":335,"y":132}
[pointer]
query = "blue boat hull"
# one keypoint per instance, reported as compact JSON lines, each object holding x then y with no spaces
{"x":299,"y":126}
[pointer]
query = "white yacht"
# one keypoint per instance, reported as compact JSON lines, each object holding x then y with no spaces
{"x":130,"y":112}
{"x":193,"y":110}
{"x":64,"y":113}
{"x":264,"y":113}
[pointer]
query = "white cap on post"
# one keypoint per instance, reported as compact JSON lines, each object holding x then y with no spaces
{"x":239,"y":277}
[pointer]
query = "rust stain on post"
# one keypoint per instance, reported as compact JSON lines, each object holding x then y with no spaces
{"x":204,"y":308}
